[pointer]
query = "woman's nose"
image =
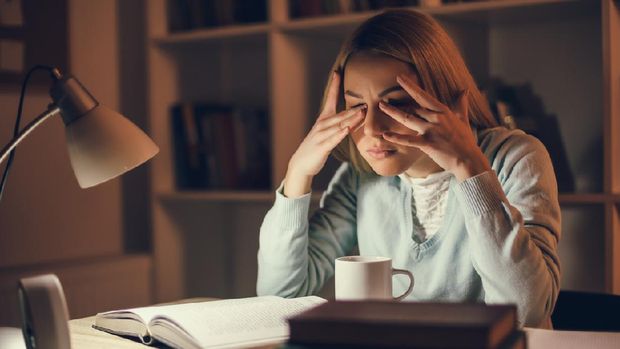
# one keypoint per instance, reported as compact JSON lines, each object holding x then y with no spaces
{"x":375,"y":123}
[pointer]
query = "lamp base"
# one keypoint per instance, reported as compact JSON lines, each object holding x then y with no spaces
{"x":45,"y":319}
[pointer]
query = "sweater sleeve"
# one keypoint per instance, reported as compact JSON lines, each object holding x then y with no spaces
{"x":513,"y":221}
{"x":296,"y":254}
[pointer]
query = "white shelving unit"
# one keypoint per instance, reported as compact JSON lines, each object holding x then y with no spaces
{"x":568,"y":50}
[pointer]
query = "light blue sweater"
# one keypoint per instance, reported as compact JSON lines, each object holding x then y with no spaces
{"x":498,"y":242}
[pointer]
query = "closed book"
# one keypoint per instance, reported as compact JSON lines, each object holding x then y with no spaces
{"x":404,"y":324}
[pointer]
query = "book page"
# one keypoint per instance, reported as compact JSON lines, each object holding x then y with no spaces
{"x":234,"y":321}
{"x":539,"y":338}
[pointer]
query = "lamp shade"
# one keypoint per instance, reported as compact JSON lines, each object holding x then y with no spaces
{"x":104,"y":144}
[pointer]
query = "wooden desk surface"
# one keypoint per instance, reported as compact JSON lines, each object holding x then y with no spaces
{"x":83,"y":336}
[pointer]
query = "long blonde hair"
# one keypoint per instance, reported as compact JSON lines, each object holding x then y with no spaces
{"x":417,"y":39}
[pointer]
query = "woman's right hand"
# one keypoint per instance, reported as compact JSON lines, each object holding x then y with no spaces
{"x":327,"y":132}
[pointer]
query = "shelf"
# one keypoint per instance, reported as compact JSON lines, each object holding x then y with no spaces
{"x":283,"y":65}
{"x":478,"y":12}
{"x":268,"y":196}
{"x":240,"y":33}
{"x":224,"y":196}
{"x":593,"y":199}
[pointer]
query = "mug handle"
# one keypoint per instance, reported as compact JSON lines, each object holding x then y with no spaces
{"x":403,"y":272}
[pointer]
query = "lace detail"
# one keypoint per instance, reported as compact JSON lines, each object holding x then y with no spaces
{"x":428,"y":203}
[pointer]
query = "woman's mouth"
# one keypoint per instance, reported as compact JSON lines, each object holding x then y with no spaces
{"x":378,"y":153}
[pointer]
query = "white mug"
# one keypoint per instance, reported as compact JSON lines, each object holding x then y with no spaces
{"x":367,"y":278}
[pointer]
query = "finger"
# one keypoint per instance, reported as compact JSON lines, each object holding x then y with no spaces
{"x":428,"y":115}
{"x":331,"y":100}
{"x":408,"y":120}
{"x":327,"y":133}
{"x":339,"y":118}
{"x":406,"y":140}
{"x":322,"y":135}
{"x":422,"y":97}
{"x":463,"y":106}
{"x":358,"y":124}
{"x":333,"y":141}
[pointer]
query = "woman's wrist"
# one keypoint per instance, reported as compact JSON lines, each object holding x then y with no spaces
{"x":296,"y":185}
{"x":471,"y":166}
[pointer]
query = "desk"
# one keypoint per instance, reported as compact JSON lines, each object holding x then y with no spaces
{"x":83,"y":336}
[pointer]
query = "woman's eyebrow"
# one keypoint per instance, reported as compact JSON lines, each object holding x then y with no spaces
{"x":383,"y":93}
{"x":352,"y":94}
{"x":390,"y":90}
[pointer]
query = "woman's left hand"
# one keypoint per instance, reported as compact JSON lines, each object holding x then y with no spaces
{"x":443,"y":134}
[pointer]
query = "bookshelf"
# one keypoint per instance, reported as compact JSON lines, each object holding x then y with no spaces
{"x":205,"y":242}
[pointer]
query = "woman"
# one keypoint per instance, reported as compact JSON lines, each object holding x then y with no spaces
{"x":428,"y":179}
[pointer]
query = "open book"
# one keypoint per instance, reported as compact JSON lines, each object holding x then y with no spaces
{"x":235,"y":323}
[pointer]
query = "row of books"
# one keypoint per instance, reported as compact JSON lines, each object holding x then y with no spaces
{"x":313,"y":8}
{"x":186,"y":15}
{"x":195,"y":14}
{"x":220,"y":147}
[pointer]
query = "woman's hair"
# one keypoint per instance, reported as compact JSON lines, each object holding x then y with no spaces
{"x":416,"y":39}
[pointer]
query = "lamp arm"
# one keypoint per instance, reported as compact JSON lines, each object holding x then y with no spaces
{"x":52,"y":110}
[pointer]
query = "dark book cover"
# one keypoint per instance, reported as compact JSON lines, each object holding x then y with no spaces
{"x":254,"y":158}
{"x":179,"y":15}
{"x":516,"y":340}
{"x":250,"y":11}
{"x":404,"y":324}
{"x":305,"y":8}
{"x":190,"y":168}
{"x":225,"y":147}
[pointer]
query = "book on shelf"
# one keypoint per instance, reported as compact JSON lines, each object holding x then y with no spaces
{"x":195,"y":14}
{"x":518,"y":106}
{"x":222,"y":323}
{"x":314,"y":8}
{"x":190,"y":167}
{"x":220,"y":146}
{"x":407,"y":324}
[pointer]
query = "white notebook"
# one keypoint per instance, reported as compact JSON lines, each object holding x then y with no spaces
{"x":226,"y":323}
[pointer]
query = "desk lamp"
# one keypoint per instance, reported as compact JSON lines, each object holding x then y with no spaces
{"x":102,"y":145}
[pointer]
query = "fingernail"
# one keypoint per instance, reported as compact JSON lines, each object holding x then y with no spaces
{"x":334,"y":74}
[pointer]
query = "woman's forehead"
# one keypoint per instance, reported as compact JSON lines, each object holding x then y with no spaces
{"x":370,"y":70}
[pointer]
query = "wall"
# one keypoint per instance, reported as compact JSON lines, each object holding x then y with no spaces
{"x":49,"y":224}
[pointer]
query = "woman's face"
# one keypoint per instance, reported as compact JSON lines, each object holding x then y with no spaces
{"x":369,"y":79}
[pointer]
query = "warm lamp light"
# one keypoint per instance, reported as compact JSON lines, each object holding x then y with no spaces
{"x":102,"y":143}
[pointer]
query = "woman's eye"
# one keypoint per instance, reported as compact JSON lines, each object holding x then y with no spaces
{"x":402,"y":103}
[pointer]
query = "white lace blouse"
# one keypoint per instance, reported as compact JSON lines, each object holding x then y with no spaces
{"x":428,"y":203}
